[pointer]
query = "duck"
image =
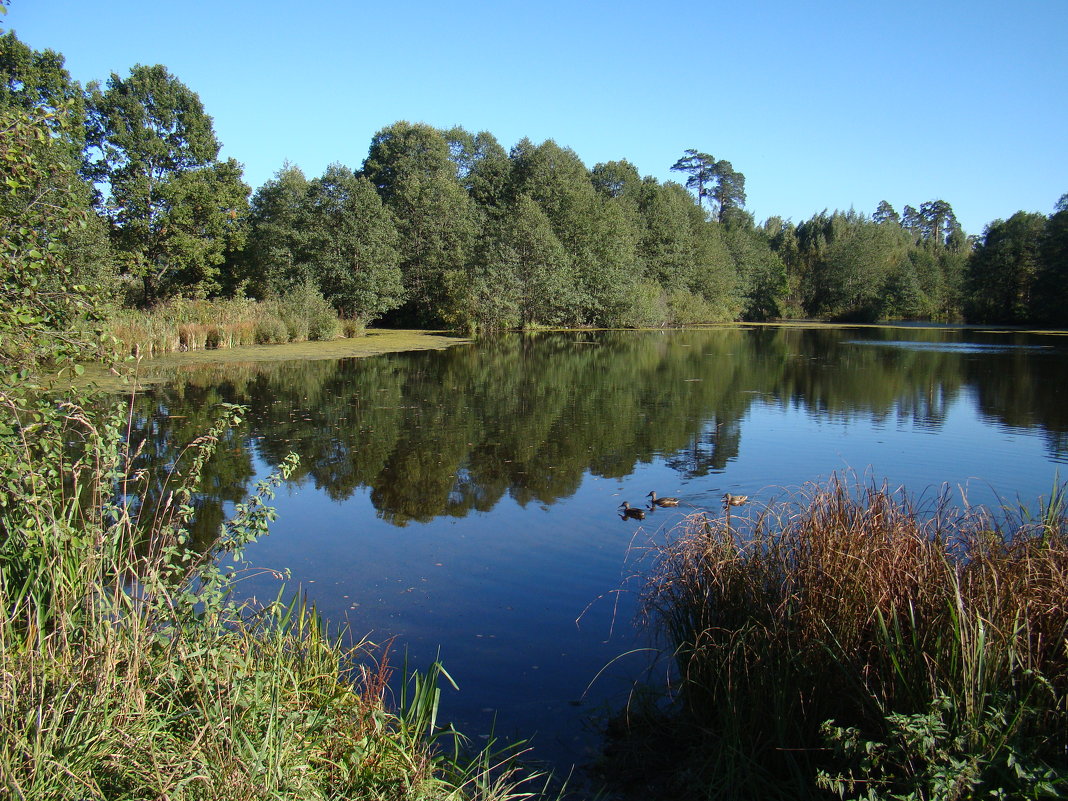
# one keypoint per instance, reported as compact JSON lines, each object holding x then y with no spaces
{"x":733,"y":500}
{"x":662,"y":501}
{"x":631,"y":512}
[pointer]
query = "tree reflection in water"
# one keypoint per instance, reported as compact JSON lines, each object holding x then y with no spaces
{"x":442,"y":433}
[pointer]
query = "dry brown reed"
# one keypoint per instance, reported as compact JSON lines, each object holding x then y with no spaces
{"x":849,"y":603}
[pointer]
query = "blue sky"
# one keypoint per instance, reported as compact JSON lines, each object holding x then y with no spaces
{"x":821,"y":105}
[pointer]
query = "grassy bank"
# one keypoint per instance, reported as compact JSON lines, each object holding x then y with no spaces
{"x":844,"y":644}
{"x":129,"y":669}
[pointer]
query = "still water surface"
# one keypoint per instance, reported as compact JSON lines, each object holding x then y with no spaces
{"x":464,"y":502}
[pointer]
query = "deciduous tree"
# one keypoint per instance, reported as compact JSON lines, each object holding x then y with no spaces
{"x":44,"y":298}
{"x":37,"y":81}
{"x":615,"y":179}
{"x":1003,"y":270}
{"x":1052,"y":282}
{"x":410,"y":166}
{"x":154,"y":150}
{"x":273,"y":254}
{"x":350,"y":245}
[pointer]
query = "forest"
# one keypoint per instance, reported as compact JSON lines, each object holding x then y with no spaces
{"x":447,"y":228}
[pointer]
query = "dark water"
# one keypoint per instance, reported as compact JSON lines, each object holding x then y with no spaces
{"x":464,"y":501}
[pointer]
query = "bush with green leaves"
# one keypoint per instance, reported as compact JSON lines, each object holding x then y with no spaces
{"x":937,"y":755}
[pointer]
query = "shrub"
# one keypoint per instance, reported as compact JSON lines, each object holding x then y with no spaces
{"x":304,"y":310}
{"x":353,"y":328}
{"x":323,"y":325}
{"x":271,"y":330}
{"x":646,"y":307}
{"x":686,"y":308}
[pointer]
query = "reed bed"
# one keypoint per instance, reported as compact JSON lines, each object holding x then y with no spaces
{"x":845,"y":644}
{"x":187,"y":325}
{"x":129,"y":670}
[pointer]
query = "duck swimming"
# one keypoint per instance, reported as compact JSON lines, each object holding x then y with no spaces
{"x":631,"y":512}
{"x":733,"y":500}
{"x":662,"y":501}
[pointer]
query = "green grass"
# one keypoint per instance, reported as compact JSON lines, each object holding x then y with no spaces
{"x":130,"y":670}
{"x":844,"y":644}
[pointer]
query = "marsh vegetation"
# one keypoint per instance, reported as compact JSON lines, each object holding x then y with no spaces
{"x":845,"y":642}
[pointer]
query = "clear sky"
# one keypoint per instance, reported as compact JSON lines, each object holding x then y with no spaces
{"x":827,"y":105}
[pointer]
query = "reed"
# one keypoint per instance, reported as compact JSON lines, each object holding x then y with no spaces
{"x":183,"y":325}
{"x":128,"y":669}
{"x":351,"y":328}
{"x":820,"y":631}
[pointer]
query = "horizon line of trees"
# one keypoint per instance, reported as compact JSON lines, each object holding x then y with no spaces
{"x":448,"y":228}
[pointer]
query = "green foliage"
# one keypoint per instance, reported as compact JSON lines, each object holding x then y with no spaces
{"x":271,"y":331}
{"x":667,"y":246}
{"x":885,"y":213}
{"x":598,"y":236}
{"x":1051,"y":283}
{"x":436,"y":221}
{"x":647,"y":307}
{"x":46,"y":310}
{"x":615,"y":179}
{"x":440,"y":238}
{"x":480,"y":162}
{"x":729,"y":192}
{"x":761,"y":273}
{"x":350,"y":245}
{"x":701,"y":169}
{"x":129,"y":669}
{"x":715,"y":276}
{"x":175,"y":210}
{"x":307,"y":314}
{"x":725,"y":185}
{"x":520,"y":275}
{"x":204,"y":214}
{"x":845,"y":266}
{"x":933,"y":756}
{"x":37,"y":82}
{"x":272,"y":257}
{"x":686,"y":308}
{"x":1004,"y":268}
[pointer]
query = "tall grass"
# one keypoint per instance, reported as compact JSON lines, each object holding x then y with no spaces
{"x":129,"y":670}
{"x":846,"y":639}
{"x":184,"y":325}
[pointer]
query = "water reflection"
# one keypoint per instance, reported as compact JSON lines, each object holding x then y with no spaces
{"x":443,"y":433}
{"x":495,"y":472}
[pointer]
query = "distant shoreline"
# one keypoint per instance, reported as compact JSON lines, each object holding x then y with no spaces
{"x":375,"y":342}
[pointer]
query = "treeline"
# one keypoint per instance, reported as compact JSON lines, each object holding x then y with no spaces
{"x":448,"y":228}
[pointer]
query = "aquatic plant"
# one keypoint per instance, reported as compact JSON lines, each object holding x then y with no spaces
{"x":188,"y":325}
{"x":845,"y":624}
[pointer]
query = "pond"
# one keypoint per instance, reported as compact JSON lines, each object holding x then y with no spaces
{"x":463,"y":503}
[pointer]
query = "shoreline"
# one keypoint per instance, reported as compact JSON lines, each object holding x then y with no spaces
{"x":375,"y":342}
